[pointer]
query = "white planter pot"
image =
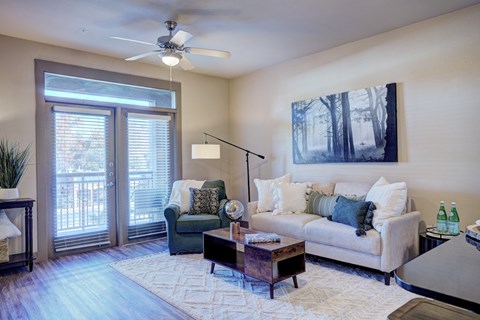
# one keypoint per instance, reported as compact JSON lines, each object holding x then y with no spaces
{"x":9,"y":194}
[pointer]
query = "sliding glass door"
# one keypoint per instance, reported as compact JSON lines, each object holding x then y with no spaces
{"x":149,"y":172}
{"x":84,"y":178}
{"x":84,"y":181}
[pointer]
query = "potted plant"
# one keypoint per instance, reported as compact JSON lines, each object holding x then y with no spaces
{"x":13,"y":162}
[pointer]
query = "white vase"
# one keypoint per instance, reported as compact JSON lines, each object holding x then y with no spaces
{"x":9,"y":194}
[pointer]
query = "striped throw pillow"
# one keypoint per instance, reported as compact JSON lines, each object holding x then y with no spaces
{"x":321,"y":204}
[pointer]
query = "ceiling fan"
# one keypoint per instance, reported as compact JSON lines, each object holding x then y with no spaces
{"x":172,"y":48}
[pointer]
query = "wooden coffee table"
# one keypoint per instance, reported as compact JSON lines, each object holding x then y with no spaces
{"x":269,"y":262}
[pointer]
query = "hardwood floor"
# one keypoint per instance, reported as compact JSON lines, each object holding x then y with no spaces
{"x":83,"y":286}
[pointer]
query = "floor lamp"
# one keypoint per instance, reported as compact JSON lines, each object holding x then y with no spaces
{"x":212,"y":151}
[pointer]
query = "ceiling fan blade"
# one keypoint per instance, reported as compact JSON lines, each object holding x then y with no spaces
{"x":208,"y":52}
{"x":185,"y":63}
{"x":131,"y":40}
{"x":143,"y":55}
{"x":181,"y":37}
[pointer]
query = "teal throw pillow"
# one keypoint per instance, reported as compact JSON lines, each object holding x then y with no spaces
{"x":204,"y":201}
{"x":358,"y":214}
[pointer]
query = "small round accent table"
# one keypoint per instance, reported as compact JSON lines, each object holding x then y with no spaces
{"x":430,"y":239}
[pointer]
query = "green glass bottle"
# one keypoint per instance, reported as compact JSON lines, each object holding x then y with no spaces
{"x":442,"y":226}
{"x":453,"y":220}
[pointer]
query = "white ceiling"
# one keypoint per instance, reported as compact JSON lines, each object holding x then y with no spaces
{"x":258,"y":33}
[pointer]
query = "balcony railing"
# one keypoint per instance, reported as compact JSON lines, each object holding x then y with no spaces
{"x":81,"y":201}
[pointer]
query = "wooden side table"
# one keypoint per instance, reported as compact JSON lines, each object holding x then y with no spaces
{"x":26,"y":258}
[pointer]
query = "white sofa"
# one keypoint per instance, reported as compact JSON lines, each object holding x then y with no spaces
{"x":394,"y":244}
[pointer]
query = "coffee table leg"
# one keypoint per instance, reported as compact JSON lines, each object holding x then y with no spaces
{"x":212,"y":267}
{"x":271,"y":291}
{"x":295,"y":283}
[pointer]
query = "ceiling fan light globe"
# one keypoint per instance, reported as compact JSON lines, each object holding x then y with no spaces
{"x":171,"y":59}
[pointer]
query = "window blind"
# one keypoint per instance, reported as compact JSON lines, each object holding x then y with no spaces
{"x":80,"y":197}
{"x":149,"y":172}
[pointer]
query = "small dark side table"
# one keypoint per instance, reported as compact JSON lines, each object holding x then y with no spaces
{"x":429,"y":239}
{"x":26,"y":258}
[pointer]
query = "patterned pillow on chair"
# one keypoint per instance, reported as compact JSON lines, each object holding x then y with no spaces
{"x":204,"y":201}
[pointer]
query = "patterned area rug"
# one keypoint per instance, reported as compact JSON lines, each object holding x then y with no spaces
{"x":326,"y":290}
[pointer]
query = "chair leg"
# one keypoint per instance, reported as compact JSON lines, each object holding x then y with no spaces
{"x":386,"y":278}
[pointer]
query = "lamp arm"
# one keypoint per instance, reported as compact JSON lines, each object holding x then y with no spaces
{"x":234,"y":145}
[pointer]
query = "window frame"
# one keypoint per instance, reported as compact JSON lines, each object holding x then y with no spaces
{"x":44,"y":131}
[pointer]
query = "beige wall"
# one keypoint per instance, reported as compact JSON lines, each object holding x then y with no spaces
{"x":204,"y":105}
{"x":436,"y":64}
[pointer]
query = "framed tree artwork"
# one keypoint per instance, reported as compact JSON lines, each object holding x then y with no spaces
{"x":352,"y":126}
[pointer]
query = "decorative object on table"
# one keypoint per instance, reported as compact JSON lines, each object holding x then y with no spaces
{"x":8,"y":229}
{"x":209,"y":151}
{"x":352,"y":126}
{"x":434,"y":233}
{"x":4,"y":255}
{"x":13,"y":162}
{"x":473,"y":231}
{"x":442,"y":218}
{"x":234,"y":211}
{"x":453,"y":220}
{"x":262,"y":238}
{"x":474,"y":242}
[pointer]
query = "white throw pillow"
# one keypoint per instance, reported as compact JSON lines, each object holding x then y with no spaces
{"x":389,"y":198}
{"x":7,"y":228}
{"x":291,"y":197}
{"x":185,"y":200}
{"x":180,"y":194}
{"x":265,"y":192}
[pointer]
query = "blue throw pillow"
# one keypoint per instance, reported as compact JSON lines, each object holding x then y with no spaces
{"x":358,"y":214}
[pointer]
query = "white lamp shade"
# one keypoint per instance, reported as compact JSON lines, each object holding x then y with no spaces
{"x":205,"y":151}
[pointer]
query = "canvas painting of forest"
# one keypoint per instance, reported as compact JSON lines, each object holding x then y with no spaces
{"x":352,"y":126}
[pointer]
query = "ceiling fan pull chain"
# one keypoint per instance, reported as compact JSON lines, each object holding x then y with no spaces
{"x":171,"y":78}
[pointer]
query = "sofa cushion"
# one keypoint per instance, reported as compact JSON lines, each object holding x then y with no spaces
{"x":197,"y":223}
{"x":324,"y":188}
{"x":350,"y":189}
{"x":321,"y":204}
{"x":290,"y":224}
{"x":340,"y":235}
{"x":265,"y":192}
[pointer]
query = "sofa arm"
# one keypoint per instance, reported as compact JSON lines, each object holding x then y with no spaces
{"x":251,"y":210}
{"x":171,"y":213}
{"x":399,"y":240}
